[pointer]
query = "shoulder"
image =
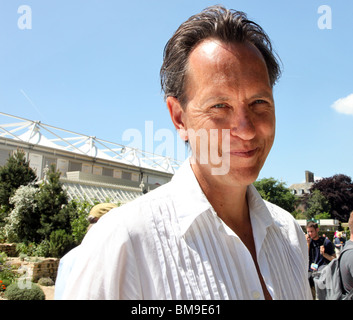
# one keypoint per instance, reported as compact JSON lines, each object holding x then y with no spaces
{"x":326,"y":242}
{"x":287,"y":225}
{"x":280,"y":216}
{"x":133,"y":217}
{"x":348,"y":249}
{"x":346,"y":256}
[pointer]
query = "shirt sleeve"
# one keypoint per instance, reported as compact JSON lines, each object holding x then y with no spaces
{"x":105,"y":267}
{"x":329,"y":247}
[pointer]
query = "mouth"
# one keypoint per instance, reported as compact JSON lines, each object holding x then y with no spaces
{"x":244,"y":153}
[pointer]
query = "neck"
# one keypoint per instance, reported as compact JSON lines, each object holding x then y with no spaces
{"x":230,"y":202}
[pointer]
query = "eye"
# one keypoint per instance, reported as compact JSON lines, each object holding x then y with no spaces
{"x":259,"y":101}
{"x":219,"y":106}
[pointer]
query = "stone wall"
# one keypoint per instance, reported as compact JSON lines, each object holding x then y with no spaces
{"x":9,"y":249}
{"x":48,"y":268}
{"x":33,"y":268}
{"x":39,"y":268}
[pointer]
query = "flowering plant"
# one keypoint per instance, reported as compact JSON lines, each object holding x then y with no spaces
{"x":2,"y":286}
{"x":7,"y":274}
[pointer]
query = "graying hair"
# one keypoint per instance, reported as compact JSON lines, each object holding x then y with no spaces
{"x":213,"y":22}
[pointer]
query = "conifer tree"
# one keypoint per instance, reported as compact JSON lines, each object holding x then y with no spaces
{"x":51,"y":201}
{"x":15,"y":173}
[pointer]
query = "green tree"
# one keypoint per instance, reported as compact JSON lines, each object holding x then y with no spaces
{"x":39,"y":211}
{"x":24,"y":219}
{"x":51,"y":201}
{"x":15,"y":173}
{"x":276,"y":192}
{"x":79,"y":211}
{"x":317,"y":206}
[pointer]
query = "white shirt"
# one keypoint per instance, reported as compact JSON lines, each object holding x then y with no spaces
{"x":65,"y":265}
{"x":170,"y":244}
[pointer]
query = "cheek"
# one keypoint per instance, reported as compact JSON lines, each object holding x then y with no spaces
{"x":266,"y":129}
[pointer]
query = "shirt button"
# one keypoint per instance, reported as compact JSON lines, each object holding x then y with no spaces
{"x":256,"y":295}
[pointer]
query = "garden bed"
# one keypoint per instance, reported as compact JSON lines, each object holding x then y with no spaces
{"x":35,"y":268}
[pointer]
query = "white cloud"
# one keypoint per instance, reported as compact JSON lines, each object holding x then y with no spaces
{"x":344,"y":105}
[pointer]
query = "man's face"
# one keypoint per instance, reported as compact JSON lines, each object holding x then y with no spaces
{"x":228,"y":87}
{"x":312,"y":232}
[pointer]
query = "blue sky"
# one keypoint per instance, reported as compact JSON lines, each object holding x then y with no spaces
{"x":93,"y":67}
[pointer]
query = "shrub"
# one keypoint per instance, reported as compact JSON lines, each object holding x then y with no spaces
{"x":15,"y":292}
{"x":13,"y":174}
{"x":4,"y":284}
{"x":7,"y":274}
{"x":42,"y":249}
{"x":23,"y":221}
{"x":60,"y":243}
{"x":51,"y":201}
{"x":79,"y":211}
{"x":46,"y":282}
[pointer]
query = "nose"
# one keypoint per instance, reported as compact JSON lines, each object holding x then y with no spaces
{"x":242,"y":125}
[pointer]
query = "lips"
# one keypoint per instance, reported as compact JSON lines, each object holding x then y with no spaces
{"x":246,"y":153}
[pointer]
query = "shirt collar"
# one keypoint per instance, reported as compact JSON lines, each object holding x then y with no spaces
{"x":190,"y":199}
{"x":191,"y":202}
{"x":260,"y":215}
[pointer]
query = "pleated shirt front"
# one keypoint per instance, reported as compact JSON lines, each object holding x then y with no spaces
{"x":170,"y":244}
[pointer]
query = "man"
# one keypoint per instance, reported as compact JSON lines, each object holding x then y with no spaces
{"x":346,"y":263}
{"x":321,"y":251}
{"x":207,"y":234}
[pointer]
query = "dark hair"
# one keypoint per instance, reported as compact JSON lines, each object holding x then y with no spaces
{"x":312,"y":224}
{"x":213,"y":22}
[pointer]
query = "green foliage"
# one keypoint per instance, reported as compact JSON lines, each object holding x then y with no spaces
{"x":23,"y":221}
{"x":51,"y":199}
{"x":79,"y":211}
{"x":31,"y":243}
{"x":7,"y":274}
{"x":46,"y":282}
{"x":298,"y":214}
{"x":3,"y":257}
{"x":41,"y":219}
{"x":32,"y":292}
{"x":38,"y":211}
{"x":276,"y":192}
{"x":317,"y":206}
{"x":324,"y":215}
{"x":13,"y":174}
{"x":60,"y":243}
{"x":32,"y":249}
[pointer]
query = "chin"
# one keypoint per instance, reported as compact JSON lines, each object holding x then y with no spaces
{"x":243,"y":176}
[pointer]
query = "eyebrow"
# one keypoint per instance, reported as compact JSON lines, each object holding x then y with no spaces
{"x":262,"y":94}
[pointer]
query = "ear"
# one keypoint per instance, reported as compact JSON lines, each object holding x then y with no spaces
{"x":177,"y":114}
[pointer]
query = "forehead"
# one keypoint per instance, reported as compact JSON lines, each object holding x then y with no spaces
{"x":214,"y":62}
{"x":217,"y":53}
{"x":211,"y":47}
